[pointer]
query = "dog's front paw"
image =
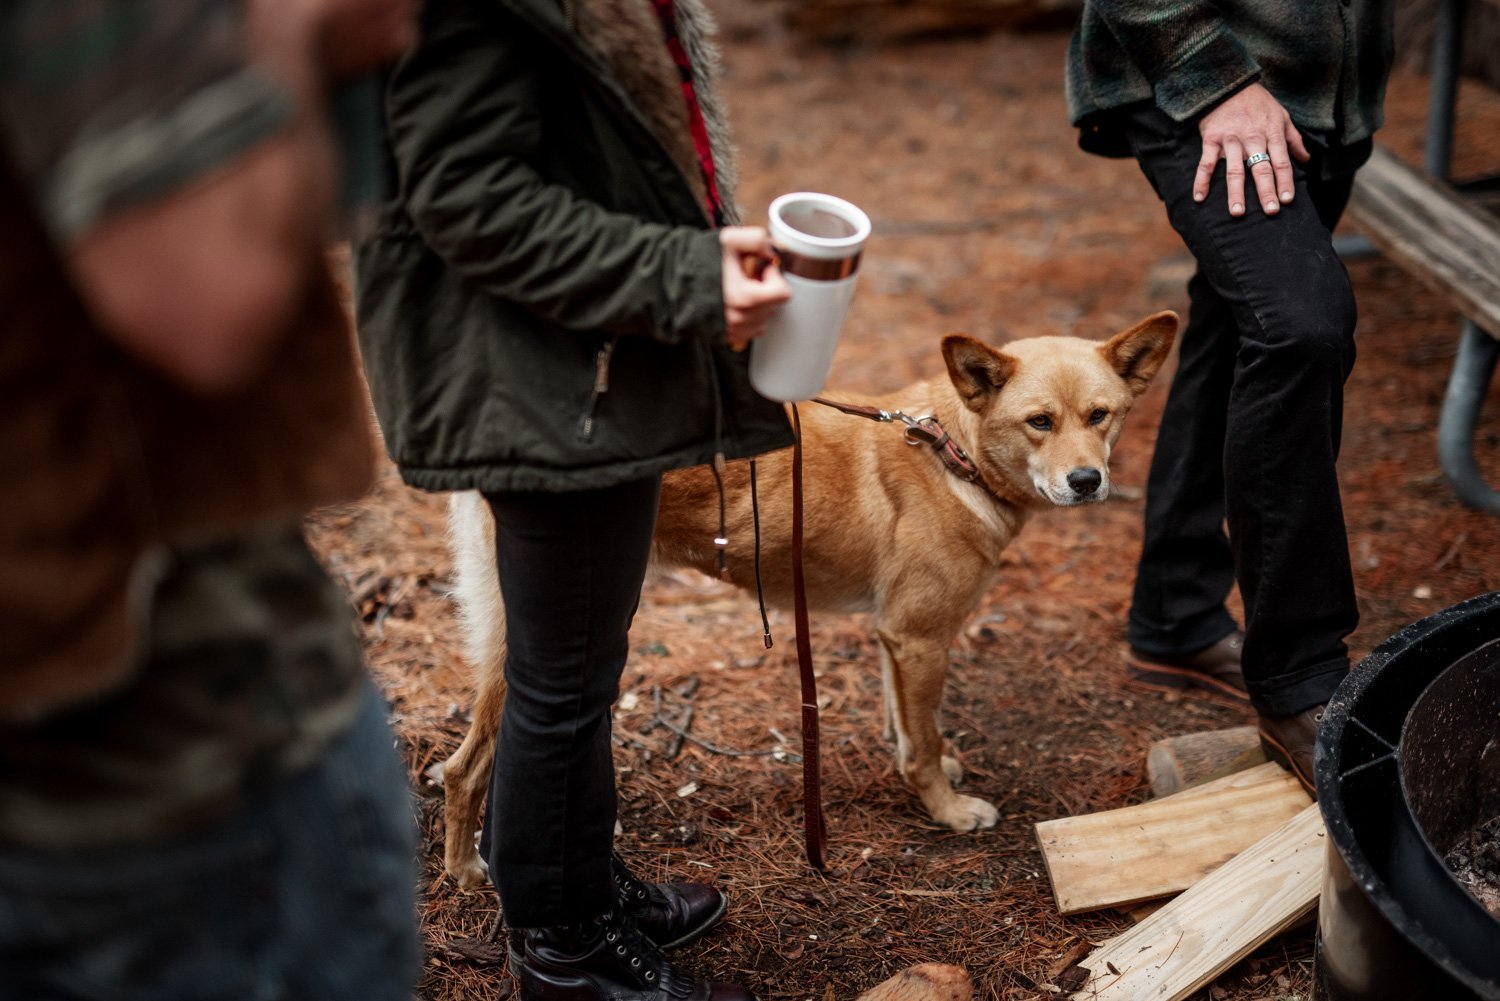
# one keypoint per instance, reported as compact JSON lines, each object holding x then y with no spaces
{"x":967,"y":813}
{"x":470,"y":875}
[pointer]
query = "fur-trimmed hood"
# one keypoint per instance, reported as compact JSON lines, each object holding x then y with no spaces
{"x":627,"y":38}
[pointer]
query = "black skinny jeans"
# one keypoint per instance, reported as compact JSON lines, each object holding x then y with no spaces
{"x":571,"y":566}
{"x":1250,"y":434}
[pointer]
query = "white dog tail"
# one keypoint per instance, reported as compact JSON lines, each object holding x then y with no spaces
{"x":481,"y":612}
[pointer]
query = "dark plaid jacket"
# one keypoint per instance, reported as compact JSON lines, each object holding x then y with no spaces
{"x":1326,"y":61}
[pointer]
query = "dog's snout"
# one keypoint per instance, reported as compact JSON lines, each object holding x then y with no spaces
{"x":1085,"y":480}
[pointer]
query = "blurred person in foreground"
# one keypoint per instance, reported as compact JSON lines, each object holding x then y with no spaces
{"x":198,"y":793}
{"x":548,"y":315}
{"x":1249,"y":118}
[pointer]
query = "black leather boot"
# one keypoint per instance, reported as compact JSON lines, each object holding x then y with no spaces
{"x":670,"y":914}
{"x":608,"y":959}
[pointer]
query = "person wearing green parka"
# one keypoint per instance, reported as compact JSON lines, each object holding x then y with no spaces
{"x":552,"y":311}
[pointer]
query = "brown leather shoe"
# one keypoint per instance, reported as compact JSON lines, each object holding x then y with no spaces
{"x":1215,"y":668}
{"x":1289,"y":740}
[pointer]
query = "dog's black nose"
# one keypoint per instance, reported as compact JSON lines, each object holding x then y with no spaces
{"x":1085,"y":480}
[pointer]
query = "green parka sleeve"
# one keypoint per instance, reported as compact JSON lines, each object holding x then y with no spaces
{"x":1187,"y":51}
{"x":463,"y":115}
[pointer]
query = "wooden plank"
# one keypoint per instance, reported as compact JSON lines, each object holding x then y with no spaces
{"x":1121,"y":857}
{"x":1191,"y":759}
{"x":1246,"y":902}
{"x":1448,"y":244}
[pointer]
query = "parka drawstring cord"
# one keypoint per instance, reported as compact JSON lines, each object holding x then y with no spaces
{"x":760,"y":591}
{"x":721,"y":541}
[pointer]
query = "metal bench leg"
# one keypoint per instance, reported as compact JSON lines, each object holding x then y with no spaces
{"x":1477,"y":351}
{"x":1354,"y":247}
{"x":1467,"y":386}
{"x":1447,"y":47}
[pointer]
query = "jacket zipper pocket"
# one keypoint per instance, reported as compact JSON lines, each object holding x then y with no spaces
{"x":587,"y":422}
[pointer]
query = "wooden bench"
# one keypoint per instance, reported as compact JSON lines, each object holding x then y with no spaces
{"x":1447,"y":243}
{"x":1454,"y":248}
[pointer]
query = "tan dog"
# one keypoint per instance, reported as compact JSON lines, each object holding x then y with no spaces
{"x":889,"y":530}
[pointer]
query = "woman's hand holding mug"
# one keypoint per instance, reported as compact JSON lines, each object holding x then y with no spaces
{"x":753,"y":286}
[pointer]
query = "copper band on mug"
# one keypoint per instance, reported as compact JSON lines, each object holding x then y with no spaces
{"x":817,"y":269}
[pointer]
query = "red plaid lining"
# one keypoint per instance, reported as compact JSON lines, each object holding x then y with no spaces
{"x":666,"y":12}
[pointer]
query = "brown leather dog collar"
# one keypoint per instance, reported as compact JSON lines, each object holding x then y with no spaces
{"x":926,"y":430}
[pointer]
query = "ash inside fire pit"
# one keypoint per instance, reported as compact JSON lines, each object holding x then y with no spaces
{"x":1475,"y":860}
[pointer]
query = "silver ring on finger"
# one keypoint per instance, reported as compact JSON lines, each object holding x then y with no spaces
{"x":1255,"y":158}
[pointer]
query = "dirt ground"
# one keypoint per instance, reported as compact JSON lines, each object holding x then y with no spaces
{"x":987,"y":220}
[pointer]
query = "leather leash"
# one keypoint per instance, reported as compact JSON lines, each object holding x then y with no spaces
{"x":919,"y":430}
{"x":925,"y":430}
{"x":812,"y":799}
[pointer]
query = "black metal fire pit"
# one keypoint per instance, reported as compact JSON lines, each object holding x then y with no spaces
{"x":1407,"y":762}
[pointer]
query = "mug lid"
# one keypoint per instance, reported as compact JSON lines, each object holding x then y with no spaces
{"x":844,"y":238}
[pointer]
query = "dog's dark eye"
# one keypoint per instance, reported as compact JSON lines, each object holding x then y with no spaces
{"x":1097,"y":417}
{"x":1041,"y":422}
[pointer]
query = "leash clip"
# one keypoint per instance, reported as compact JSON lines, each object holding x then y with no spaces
{"x":919,"y":431}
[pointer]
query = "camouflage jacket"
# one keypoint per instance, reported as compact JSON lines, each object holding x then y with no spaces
{"x":170,"y":644}
{"x":105,"y":463}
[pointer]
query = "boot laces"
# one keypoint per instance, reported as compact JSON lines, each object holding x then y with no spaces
{"x":632,"y":890}
{"x":631,"y":945}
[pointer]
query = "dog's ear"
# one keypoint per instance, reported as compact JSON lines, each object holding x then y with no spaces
{"x":1137,"y":354}
{"x":978,"y":371}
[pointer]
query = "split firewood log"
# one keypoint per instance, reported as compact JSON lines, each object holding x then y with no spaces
{"x":926,"y":982}
{"x":1191,"y":759}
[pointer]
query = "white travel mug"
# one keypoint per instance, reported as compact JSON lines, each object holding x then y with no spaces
{"x":819,"y":239}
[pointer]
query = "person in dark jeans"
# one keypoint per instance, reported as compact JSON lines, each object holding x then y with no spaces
{"x":550,"y":314}
{"x":1249,"y":119}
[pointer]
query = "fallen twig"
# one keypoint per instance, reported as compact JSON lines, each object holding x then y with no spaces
{"x":1452,"y":551}
{"x":726,"y":751}
{"x":676,"y":746}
